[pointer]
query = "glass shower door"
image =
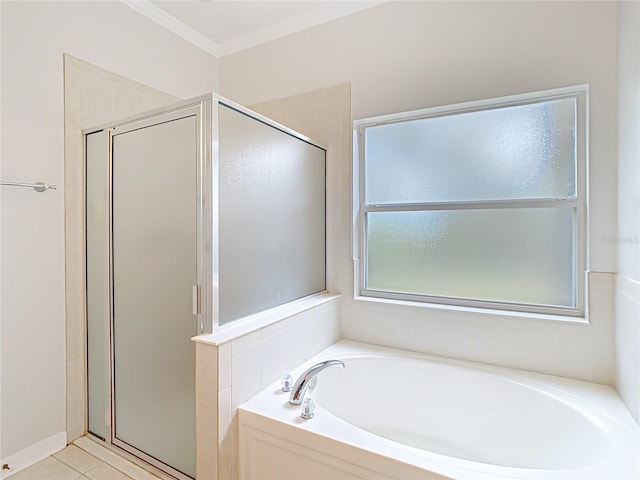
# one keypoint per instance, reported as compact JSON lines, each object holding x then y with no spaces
{"x":154,"y":258}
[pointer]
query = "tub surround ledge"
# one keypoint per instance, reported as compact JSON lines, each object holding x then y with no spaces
{"x":252,"y":323}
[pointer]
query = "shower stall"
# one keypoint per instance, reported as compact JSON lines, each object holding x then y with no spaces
{"x":197,"y":215}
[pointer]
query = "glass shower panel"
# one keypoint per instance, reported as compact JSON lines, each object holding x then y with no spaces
{"x":154,"y":269}
{"x":97,"y":225}
{"x":271,"y":216}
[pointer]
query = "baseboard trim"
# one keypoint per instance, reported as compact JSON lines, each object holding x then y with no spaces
{"x":34,"y":453}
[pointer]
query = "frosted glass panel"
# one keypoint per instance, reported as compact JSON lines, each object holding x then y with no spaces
{"x":271,"y":216}
{"x":97,"y":224}
{"x":154,"y":268}
{"x":507,"y":255}
{"x":525,"y":151}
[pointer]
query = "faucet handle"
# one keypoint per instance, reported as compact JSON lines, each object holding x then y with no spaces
{"x":287,"y":383}
{"x":307,"y":408}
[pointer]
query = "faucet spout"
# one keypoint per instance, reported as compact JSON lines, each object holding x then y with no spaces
{"x":306,"y":379}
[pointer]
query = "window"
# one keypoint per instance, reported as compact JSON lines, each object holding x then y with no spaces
{"x":480,"y":204}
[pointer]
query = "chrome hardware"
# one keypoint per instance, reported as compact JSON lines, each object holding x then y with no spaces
{"x":306,"y":379}
{"x":38,"y":186}
{"x":195,"y":300}
{"x":313,"y":383}
{"x":307,"y":409}
{"x":286,"y":382}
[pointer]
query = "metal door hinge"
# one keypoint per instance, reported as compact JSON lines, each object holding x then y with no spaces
{"x":195,"y":300}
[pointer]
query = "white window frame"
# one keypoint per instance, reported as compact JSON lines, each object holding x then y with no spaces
{"x":579,"y":203}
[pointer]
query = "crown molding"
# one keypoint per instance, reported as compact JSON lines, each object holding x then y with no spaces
{"x":294,"y":25}
{"x":251,"y":39}
{"x":162,"y":18}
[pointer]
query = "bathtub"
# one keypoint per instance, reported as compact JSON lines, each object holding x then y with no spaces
{"x":394,"y":414}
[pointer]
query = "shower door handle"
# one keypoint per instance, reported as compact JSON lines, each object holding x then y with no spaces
{"x":195,"y":300}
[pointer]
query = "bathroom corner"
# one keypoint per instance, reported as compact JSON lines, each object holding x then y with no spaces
{"x":627,"y":241}
{"x":232,"y":368}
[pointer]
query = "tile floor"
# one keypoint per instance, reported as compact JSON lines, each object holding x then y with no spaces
{"x":74,"y":463}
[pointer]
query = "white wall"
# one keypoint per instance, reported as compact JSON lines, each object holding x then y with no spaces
{"x":409,"y":55}
{"x":628,"y":140}
{"x":34,"y":37}
{"x":628,"y":238}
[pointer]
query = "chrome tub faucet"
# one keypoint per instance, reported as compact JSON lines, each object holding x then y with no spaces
{"x":308,"y":380}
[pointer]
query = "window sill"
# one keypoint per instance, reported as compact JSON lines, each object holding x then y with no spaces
{"x":252,"y":323}
{"x":485,"y":313}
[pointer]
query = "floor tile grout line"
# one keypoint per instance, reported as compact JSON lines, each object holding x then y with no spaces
{"x":78,"y":474}
{"x":112,"y":467}
{"x":108,"y":465}
{"x":103,"y":462}
{"x":84,"y":474}
{"x":64,"y":463}
{"x":71,"y":466}
{"x":139,"y":471}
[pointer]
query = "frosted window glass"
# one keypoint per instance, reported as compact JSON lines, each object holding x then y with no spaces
{"x":525,"y":151}
{"x":507,"y":255}
{"x":271,"y":216}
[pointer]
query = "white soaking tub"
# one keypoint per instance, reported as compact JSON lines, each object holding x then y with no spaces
{"x":394,"y":414}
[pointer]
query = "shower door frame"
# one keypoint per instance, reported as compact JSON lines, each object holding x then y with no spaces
{"x":201,"y":109}
{"x":205,"y":108}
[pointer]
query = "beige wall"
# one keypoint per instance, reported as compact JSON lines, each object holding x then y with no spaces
{"x":34,"y":37}
{"x":628,"y":238}
{"x":409,"y":55}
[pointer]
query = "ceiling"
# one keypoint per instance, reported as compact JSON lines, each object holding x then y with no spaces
{"x":223,"y":27}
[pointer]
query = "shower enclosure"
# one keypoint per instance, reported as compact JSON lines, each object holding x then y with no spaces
{"x":197,"y":215}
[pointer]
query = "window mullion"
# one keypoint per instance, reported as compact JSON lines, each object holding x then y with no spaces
{"x":565,"y":202}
